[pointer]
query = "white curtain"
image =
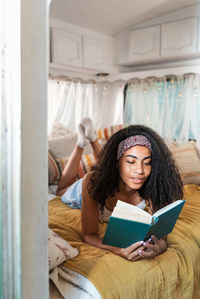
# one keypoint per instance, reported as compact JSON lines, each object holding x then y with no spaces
{"x":71,"y":100}
{"x":170,"y":105}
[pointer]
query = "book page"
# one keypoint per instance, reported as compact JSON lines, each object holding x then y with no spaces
{"x":129,"y":216}
{"x":168,"y":207}
{"x":130,"y":212}
{"x":127,"y":206}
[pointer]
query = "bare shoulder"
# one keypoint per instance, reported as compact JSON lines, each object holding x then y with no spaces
{"x":86,"y":181}
{"x":86,"y":196}
{"x":86,"y":178}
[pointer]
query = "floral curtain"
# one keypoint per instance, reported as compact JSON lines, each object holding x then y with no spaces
{"x":169,"y":104}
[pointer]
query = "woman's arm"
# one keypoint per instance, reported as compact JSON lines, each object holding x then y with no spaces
{"x":70,"y":172}
{"x":90,"y":221}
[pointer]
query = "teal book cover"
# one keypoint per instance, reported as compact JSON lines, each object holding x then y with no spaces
{"x":122,"y":232}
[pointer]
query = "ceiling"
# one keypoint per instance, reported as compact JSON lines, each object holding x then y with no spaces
{"x":112,"y":16}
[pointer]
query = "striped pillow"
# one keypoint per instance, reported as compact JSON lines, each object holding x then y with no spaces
{"x":53,"y":170}
{"x":106,"y":133}
{"x":87,"y":161}
{"x":85,"y":164}
{"x":188,"y":161}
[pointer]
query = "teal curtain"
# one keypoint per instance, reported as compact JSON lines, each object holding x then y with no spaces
{"x":170,"y":105}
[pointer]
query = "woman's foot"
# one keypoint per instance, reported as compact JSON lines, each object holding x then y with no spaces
{"x":82,"y":141}
{"x":88,"y":129}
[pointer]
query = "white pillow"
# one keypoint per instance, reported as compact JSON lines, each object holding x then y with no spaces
{"x":59,"y":250}
{"x":62,"y":146}
{"x":58,"y":129}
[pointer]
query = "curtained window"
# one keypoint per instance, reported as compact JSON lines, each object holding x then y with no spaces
{"x":71,"y":100}
{"x":170,"y":105}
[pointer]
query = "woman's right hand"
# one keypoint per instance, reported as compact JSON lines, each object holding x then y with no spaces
{"x":131,"y":252}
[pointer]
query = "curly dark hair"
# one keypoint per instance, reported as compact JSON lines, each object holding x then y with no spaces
{"x":164,"y":184}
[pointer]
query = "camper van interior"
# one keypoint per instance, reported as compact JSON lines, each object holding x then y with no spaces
{"x":118,"y":63}
{"x":124,"y":63}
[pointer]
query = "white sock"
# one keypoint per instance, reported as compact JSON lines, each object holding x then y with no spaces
{"x":89,"y":130}
{"x":82,"y":140}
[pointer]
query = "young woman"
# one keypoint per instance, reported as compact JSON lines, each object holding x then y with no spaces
{"x":134,"y":166}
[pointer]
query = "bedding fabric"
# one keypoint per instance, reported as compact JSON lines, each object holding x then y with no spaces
{"x":59,"y":250}
{"x":71,"y":285}
{"x":174,"y":274}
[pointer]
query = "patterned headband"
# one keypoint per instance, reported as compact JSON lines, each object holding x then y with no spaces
{"x":130,"y":142}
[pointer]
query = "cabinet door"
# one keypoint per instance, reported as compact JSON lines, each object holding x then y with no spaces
{"x":95,"y":53}
{"x":179,"y":38}
{"x":66,"y":47}
{"x":144,"y":44}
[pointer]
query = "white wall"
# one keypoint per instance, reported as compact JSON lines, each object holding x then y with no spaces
{"x":34,"y":34}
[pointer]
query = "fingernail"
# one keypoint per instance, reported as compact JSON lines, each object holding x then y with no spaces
{"x":149,"y":240}
{"x":141,"y":242}
{"x":140,"y":252}
{"x":144,"y":243}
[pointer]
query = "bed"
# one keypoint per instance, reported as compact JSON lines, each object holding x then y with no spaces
{"x":96,"y":273}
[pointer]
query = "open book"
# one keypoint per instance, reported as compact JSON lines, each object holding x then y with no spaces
{"x":129,"y":224}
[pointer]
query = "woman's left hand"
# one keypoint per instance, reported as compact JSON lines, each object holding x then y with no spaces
{"x":153,"y":247}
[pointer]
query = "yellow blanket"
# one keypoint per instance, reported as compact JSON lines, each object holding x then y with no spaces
{"x":174,"y":274}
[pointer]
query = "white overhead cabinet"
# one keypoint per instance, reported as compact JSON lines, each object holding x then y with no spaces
{"x":78,"y":50}
{"x":179,"y":38}
{"x":144,"y":44}
{"x":137,"y":46}
{"x":66,"y":48}
{"x":95,"y":53}
{"x":173,"y":40}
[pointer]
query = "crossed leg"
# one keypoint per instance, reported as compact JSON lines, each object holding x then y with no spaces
{"x":85,"y":135}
